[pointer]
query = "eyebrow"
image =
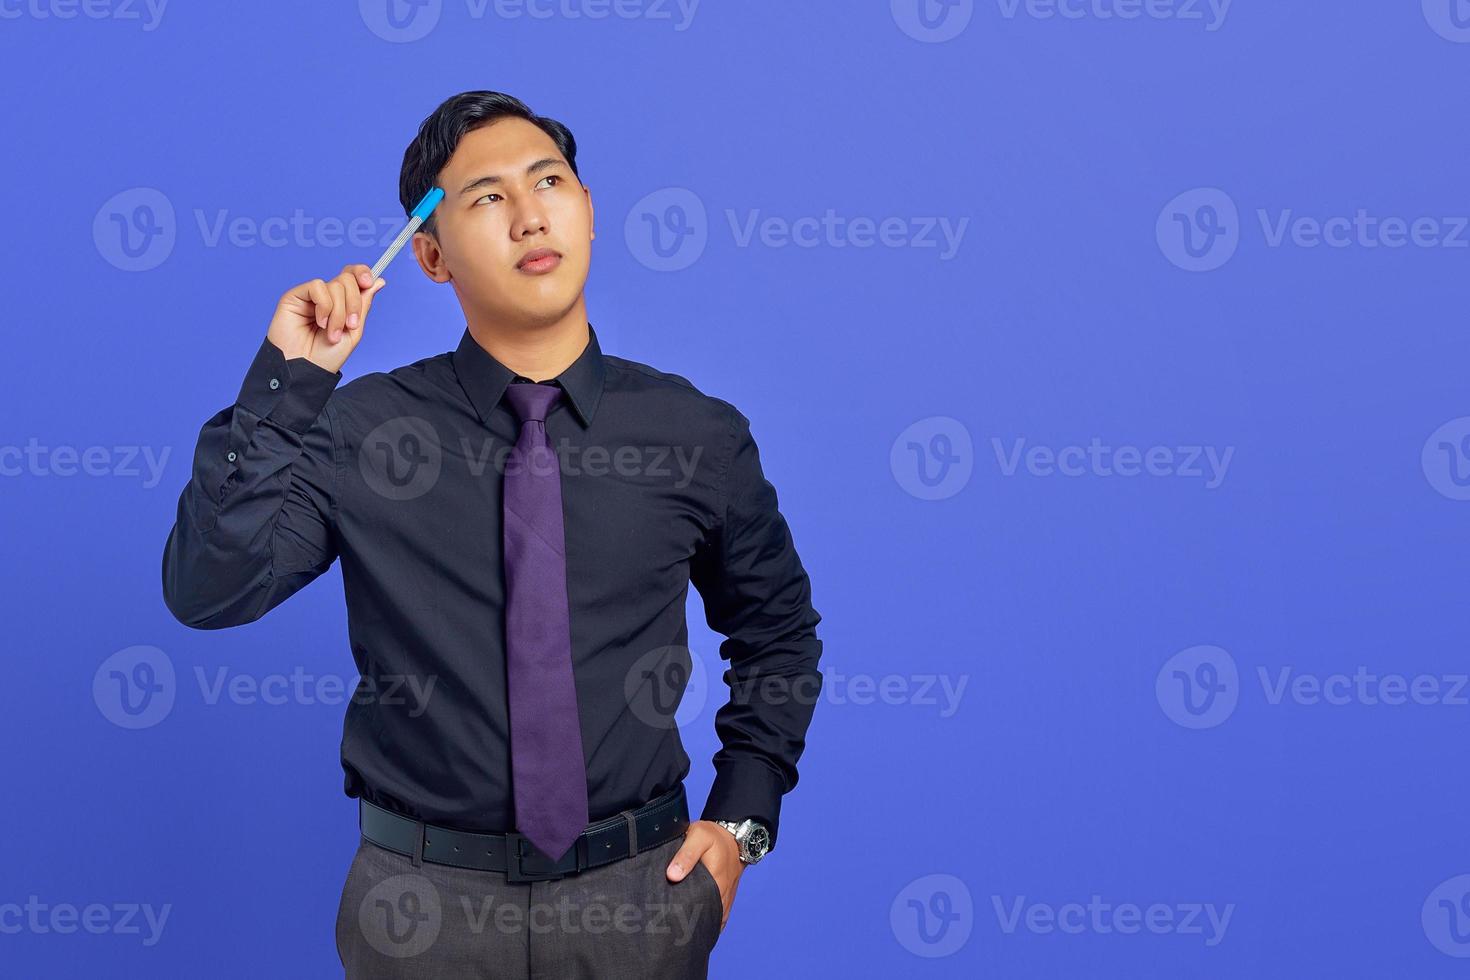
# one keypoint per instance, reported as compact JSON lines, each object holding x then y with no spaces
{"x":490,"y":179}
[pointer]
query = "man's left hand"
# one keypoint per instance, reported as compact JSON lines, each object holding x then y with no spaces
{"x":717,"y":848}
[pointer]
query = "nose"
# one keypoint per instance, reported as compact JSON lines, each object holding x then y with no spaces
{"x":530,"y":219}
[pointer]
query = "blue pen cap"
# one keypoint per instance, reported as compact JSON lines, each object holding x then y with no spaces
{"x":426,"y":206}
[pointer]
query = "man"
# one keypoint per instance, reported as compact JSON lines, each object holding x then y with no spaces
{"x":518,"y":522}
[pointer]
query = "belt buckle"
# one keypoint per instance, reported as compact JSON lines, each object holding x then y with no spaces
{"x":516,"y":868}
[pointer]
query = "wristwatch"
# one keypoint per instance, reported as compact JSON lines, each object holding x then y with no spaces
{"x":752,"y":836}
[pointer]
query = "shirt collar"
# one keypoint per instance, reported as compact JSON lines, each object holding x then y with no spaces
{"x":484,"y":378}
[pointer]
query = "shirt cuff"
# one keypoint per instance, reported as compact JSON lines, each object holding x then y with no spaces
{"x":746,"y":788}
{"x":290,"y":393}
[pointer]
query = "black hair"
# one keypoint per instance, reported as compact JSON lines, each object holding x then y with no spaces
{"x":440,"y":133}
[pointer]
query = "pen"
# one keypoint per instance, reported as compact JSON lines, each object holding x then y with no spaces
{"x":420,"y":214}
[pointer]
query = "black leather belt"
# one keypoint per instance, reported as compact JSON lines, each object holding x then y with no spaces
{"x":656,"y":822}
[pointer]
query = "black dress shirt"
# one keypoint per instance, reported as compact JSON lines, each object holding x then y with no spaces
{"x":398,"y":474}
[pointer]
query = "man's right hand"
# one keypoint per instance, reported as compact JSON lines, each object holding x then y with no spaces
{"x":322,"y":321}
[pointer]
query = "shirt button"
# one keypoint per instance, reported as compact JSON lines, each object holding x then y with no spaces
{"x":275,"y":383}
{"x":230,"y":456}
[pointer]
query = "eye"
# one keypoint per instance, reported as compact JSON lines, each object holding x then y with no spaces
{"x":556,"y":177}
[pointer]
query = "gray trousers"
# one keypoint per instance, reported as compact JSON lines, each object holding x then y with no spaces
{"x":621,"y":920}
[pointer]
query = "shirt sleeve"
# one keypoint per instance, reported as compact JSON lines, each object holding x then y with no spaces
{"x":256,"y":521}
{"x":758,"y":595}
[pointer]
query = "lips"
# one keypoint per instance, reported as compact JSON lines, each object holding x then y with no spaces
{"x":539,"y":260}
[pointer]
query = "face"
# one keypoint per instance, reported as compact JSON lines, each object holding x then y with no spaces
{"x":508,"y":192}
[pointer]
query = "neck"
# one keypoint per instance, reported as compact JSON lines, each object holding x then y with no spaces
{"x":537,"y":351}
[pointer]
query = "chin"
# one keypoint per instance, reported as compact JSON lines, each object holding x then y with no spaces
{"x":542,"y":309}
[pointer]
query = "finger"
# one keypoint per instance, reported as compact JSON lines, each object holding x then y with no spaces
{"x":365,"y":300}
{"x":321,"y":300}
{"x":352,"y":315}
{"x":362,"y":274}
{"x":684,"y":860}
{"x":338,"y":316}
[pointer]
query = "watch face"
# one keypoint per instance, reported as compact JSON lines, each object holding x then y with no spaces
{"x":759,"y":841}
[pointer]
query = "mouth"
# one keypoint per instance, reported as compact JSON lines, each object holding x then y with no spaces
{"x":539,"y":261}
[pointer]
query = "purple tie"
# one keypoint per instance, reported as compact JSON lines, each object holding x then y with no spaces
{"x":548,"y":770}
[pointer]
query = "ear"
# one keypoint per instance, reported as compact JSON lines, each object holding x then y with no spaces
{"x":591,"y":214}
{"x":430,"y":258}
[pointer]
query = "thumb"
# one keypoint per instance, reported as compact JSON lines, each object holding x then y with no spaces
{"x":370,"y":293}
{"x":683,"y":862}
